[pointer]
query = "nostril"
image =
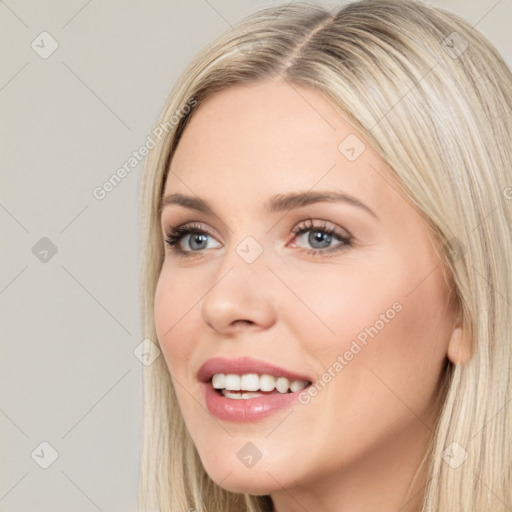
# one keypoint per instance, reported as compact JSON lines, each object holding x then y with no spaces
{"x":243,"y":322}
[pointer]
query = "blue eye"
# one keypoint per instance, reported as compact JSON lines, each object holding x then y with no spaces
{"x":197,"y":237}
{"x":321,"y":236}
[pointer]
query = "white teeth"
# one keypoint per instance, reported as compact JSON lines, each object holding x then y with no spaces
{"x":239,"y":396}
{"x":219,"y":381}
{"x":253,"y":382}
{"x":297,"y":385}
{"x":267,"y":383}
{"x":232,"y":382}
{"x":282,"y":384}
{"x":250,"y":382}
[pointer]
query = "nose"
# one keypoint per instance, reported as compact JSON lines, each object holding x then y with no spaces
{"x":240,"y":296}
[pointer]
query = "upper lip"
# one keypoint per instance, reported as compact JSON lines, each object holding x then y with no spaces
{"x":243,"y":365}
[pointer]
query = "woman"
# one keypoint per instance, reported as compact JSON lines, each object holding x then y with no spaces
{"x":327,"y":268}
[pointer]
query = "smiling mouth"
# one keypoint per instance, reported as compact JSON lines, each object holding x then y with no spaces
{"x":253,"y":385}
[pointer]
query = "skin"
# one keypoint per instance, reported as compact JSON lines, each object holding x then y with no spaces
{"x":358,"y":444}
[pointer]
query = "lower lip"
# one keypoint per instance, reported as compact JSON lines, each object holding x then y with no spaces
{"x":245,"y":410}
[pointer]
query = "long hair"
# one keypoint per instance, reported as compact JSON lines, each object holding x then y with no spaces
{"x":433,"y":98}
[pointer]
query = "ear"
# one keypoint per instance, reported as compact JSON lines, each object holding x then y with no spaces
{"x":459,"y":349}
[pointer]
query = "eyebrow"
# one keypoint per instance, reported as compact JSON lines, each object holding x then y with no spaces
{"x":277,"y":203}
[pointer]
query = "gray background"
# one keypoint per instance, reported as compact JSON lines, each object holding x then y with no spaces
{"x":70,"y":321}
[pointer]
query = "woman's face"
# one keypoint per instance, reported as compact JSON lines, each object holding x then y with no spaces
{"x":354,"y":302}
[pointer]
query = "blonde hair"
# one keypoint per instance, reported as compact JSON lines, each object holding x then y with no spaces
{"x":433,"y":98}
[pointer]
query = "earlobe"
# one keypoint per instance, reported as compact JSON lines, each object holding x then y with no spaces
{"x":459,"y":350}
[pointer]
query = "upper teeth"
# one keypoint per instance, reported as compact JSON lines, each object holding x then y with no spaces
{"x":255,"y":382}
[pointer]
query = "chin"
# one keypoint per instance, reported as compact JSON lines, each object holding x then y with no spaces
{"x":249,"y":481}
{"x":234,"y":474}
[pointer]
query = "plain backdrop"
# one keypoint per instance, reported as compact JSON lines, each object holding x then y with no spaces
{"x":70,"y":381}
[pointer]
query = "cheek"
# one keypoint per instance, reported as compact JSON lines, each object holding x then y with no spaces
{"x":173,"y":310}
{"x":342,"y":304}
{"x":176,"y":321}
{"x":388,"y":321}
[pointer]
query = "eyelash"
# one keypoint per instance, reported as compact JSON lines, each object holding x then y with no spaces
{"x":175,"y":233}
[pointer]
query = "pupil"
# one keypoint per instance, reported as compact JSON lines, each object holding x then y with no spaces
{"x":197,"y":239}
{"x":319,"y":236}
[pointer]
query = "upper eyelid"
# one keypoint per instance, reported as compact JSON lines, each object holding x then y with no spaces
{"x":319,"y":224}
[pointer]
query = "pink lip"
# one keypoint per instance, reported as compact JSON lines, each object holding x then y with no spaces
{"x":243,"y":365}
{"x":250,"y":409}
{"x":245,"y":410}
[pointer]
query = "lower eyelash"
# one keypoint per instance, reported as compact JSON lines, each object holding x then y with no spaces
{"x":175,"y":234}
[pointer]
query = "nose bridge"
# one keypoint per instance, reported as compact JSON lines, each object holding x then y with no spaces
{"x":247,"y":259}
{"x":241,"y":289}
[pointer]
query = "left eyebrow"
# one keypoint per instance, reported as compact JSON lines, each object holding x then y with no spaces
{"x":277,"y":203}
{"x":294,"y":200}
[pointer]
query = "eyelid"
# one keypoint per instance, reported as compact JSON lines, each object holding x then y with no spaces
{"x":321,"y":225}
{"x":344,"y":236}
{"x":188,"y":228}
{"x":192,"y":225}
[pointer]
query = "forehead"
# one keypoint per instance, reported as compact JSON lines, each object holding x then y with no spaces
{"x":251,"y":141}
